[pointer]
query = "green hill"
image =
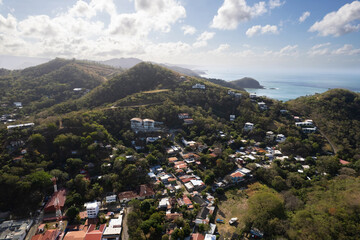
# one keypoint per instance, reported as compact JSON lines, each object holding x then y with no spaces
{"x":52,"y":83}
{"x":337,"y":114}
{"x":246,"y":82}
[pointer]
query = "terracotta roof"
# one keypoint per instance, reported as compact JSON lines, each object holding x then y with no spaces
{"x":93,"y":234}
{"x":179,"y":162}
{"x":197,"y":236}
{"x":83,"y":215}
{"x":51,"y":234}
{"x":128,"y":195}
{"x":237,"y":175}
{"x":146,"y":191}
{"x":173,"y":159}
{"x":75,"y":235}
{"x":61,"y":195}
{"x":186,"y":200}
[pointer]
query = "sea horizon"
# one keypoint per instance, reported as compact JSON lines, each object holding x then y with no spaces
{"x":291,"y":85}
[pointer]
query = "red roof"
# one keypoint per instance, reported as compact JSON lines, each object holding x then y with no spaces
{"x":197,"y":236}
{"x":51,"y":234}
{"x":173,"y":159}
{"x":237,"y":175}
{"x":127,"y":195}
{"x":186,"y":200}
{"x":343,"y":162}
{"x":173,"y":216}
{"x":95,"y":234}
{"x":50,"y":206}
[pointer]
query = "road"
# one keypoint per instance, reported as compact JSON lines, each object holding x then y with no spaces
{"x":124,"y":233}
{"x":33,"y":229}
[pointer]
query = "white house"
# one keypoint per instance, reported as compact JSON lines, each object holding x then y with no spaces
{"x":113,"y":231}
{"x":280,"y":138}
{"x":198,"y":86}
{"x":148,"y":123}
{"x":248,"y":126}
{"x":136,"y":123}
{"x":262,"y":105}
{"x":145,"y":125}
{"x":232,"y":117}
{"x":253,"y":95}
{"x":309,"y":130}
{"x":18,"y":104}
{"x":110,"y":199}
{"x":92,"y":209}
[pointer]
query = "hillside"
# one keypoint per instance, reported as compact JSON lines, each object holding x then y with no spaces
{"x":51,"y":83}
{"x":246,"y":82}
{"x":337,"y":114}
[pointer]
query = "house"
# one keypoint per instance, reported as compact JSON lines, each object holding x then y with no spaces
{"x":51,"y":234}
{"x":252,"y":95}
{"x":198,"y":184}
{"x":187,"y":202}
{"x":232,"y":117}
{"x":95,"y":233}
{"x":172,"y":216}
{"x":145,"y":191}
{"x":113,"y":231}
{"x":262,"y":106}
{"x":203,"y":215}
{"x":198,"y":86}
{"x":248,"y":126}
{"x":110,"y":198}
{"x":164,"y":203}
{"x":270,"y":135}
{"x":197,"y":236}
{"x":210,"y":237}
{"x":18,"y":104}
{"x":237,"y":177}
{"x":309,"y":130}
{"x":142,"y":125}
{"x":172,"y":159}
{"x":75,"y":235}
{"x":51,"y":204}
{"x":283,"y":111}
{"x":183,"y":115}
{"x":25,"y":125}
{"x":343,"y":162}
{"x":189,"y":186}
{"x":92,"y":209}
{"x":280,"y":138}
{"x":188,"y":121}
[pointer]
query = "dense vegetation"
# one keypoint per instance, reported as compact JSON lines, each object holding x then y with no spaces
{"x":337,"y":114}
{"x":84,"y":143}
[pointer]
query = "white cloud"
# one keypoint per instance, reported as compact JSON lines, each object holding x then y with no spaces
{"x":76,"y":32}
{"x":289,"y":50}
{"x":188,"y":30}
{"x":304,"y":16}
{"x":202,"y":40}
{"x":232,"y":12}
{"x":275,"y":3}
{"x":258,"y":29}
{"x":1,"y":2}
{"x":319,"y":49}
{"x":347,"y":49}
{"x":222,"y":48}
{"x":340,"y":22}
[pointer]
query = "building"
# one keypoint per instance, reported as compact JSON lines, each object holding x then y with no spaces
{"x":248,"y":126}
{"x":280,"y":138}
{"x":18,"y":104}
{"x":75,"y":235}
{"x":309,"y":130}
{"x":143,"y":125}
{"x":110,"y":199}
{"x":197,"y":236}
{"x":253,"y":95}
{"x":51,"y":234}
{"x":198,"y":86}
{"x":95,"y":233}
{"x":183,"y":115}
{"x":15,"y":230}
{"x":237,"y":177}
{"x":92,"y":209}
{"x":51,"y":204}
{"x":210,"y":237}
{"x":25,"y":125}
{"x":262,"y":106}
{"x":232,"y":117}
{"x":113,"y":231}
{"x":188,"y":121}
{"x":144,"y":191}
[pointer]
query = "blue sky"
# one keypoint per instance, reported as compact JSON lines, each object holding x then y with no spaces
{"x":271,"y":34}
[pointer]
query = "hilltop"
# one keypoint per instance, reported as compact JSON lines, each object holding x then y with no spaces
{"x":51,"y":83}
{"x":246,"y":82}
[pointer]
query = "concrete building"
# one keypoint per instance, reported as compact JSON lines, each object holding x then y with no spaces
{"x":92,"y":209}
{"x":248,"y":126}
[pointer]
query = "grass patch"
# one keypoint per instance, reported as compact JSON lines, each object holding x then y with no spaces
{"x":233,"y":204}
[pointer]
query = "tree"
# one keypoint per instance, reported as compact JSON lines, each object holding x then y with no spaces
{"x":71,"y":213}
{"x":264,"y":206}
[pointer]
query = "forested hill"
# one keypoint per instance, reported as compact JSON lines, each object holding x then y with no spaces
{"x":142,"y":77}
{"x":51,"y":83}
{"x":337,"y":114}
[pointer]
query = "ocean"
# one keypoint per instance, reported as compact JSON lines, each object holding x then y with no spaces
{"x":287,"y":86}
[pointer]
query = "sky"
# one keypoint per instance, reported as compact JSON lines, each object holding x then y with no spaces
{"x":273,"y":34}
